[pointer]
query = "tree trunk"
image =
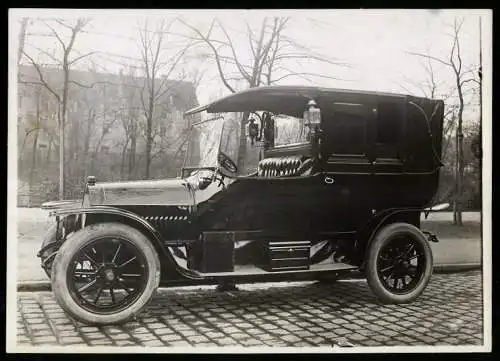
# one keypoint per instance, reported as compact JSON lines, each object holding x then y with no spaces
{"x":123,"y":161}
{"x":49,"y":150}
{"x":149,"y":131}
{"x":61,"y":159}
{"x":62,"y":122}
{"x":33,"y":159}
{"x":455,"y":172}
{"x":148,"y":147}
{"x":131,"y":164}
{"x":460,"y":155}
{"x":86,"y":143}
{"x":35,"y":142}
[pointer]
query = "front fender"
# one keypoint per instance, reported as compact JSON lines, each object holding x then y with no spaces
{"x":139,"y":222}
{"x":65,"y":204}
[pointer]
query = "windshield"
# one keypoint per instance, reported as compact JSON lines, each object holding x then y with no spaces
{"x":222,"y":134}
{"x":203,"y":143}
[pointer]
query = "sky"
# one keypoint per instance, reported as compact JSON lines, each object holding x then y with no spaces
{"x":375,"y":43}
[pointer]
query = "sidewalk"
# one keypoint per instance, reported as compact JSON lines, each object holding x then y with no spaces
{"x":457,"y":246}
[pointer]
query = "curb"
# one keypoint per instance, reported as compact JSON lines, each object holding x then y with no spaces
{"x":41,"y":286}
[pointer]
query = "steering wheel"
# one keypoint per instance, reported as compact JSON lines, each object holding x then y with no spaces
{"x":227,"y":163}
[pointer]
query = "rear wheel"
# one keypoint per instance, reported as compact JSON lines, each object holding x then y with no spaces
{"x":399,"y":263}
{"x":105,"y":274}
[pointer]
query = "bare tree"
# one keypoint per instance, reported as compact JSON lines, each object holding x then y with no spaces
{"x":267,"y":59}
{"x":37,"y":122}
{"x":65,"y":62}
{"x":158,"y":70}
{"x":461,"y":76}
{"x":172,"y":138}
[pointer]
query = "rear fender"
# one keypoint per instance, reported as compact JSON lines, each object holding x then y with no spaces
{"x":367,"y":233}
{"x":82,"y":217}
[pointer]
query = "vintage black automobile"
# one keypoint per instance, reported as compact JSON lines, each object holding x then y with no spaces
{"x":323,"y":183}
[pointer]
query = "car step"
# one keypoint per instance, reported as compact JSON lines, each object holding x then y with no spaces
{"x":255,"y":271}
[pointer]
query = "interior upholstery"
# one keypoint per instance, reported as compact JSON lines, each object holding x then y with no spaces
{"x":291,"y":166}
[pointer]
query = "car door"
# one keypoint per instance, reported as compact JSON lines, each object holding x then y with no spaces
{"x":347,"y":152}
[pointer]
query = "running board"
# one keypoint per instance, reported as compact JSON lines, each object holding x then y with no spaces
{"x":256,"y":271}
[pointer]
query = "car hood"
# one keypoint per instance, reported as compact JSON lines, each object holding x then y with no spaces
{"x":167,"y":192}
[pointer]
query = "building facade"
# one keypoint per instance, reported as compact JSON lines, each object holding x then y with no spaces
{"x":105,"y":128}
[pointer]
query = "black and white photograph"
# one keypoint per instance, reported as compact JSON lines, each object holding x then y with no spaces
{"x":249,"y":181}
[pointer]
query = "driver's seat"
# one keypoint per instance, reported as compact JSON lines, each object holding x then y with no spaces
{"x":291,"y":166}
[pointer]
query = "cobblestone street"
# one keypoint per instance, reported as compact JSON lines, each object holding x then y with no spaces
{"x":345,"y":313}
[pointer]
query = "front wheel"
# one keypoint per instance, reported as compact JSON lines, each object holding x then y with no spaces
{"x":105,"y":274}
{"x":399,"y":263}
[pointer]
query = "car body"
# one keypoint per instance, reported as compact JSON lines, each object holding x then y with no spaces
{"x":327,"y":179}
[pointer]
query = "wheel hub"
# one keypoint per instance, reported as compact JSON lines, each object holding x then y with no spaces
{"x":109,"y":274}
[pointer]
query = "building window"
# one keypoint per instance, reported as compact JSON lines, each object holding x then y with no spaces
{"x":104,"y":149}
{"x":42,"y":146}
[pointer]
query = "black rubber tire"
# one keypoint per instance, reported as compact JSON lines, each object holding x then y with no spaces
{"x":381,"y":238}
{"x":79,"y":240}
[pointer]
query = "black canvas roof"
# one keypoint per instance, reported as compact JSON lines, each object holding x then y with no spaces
{"x":290,"y":100}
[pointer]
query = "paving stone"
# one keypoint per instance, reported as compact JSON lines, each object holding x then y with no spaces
{"x":152,"y":343}
{"x":68,"y":327}
{"x":71,"y":340}
{"x":163,"y":331}
{"x":124,"y":343}
{"x":42,"y":340}
{"x":94,"y":336}
{"x":68,"y":333}
{"x":169,"y":338}
{"x":44,"y":332}
{"x":119,"y":336}
{"x":356,"y":337}
{"x":145,"y":337}
{"x":226,"y":342}
{"x":39,"y":327}
{"x":32,"y":321}
{"x":290,"y":338}
{"x":187,"y":333}
{"x":86,"y":329}
{"x":100,"y":342}
{"x":197,"y":339}
{"x":251,"y":342}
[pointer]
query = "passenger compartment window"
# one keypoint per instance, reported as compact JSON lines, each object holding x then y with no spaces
{"x":345,"y":130}
{"x":388,"y":130}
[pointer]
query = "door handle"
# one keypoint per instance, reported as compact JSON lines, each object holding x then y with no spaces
{"x":329,"y":180}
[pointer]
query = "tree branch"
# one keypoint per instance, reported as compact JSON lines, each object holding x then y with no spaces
{"x":214,"y":50}
{"x":81,"y":57}
{"x":42,"y":78}
{"x":56,"y":35}
{"x":429,"y":57}
{"x":235,"y":57}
